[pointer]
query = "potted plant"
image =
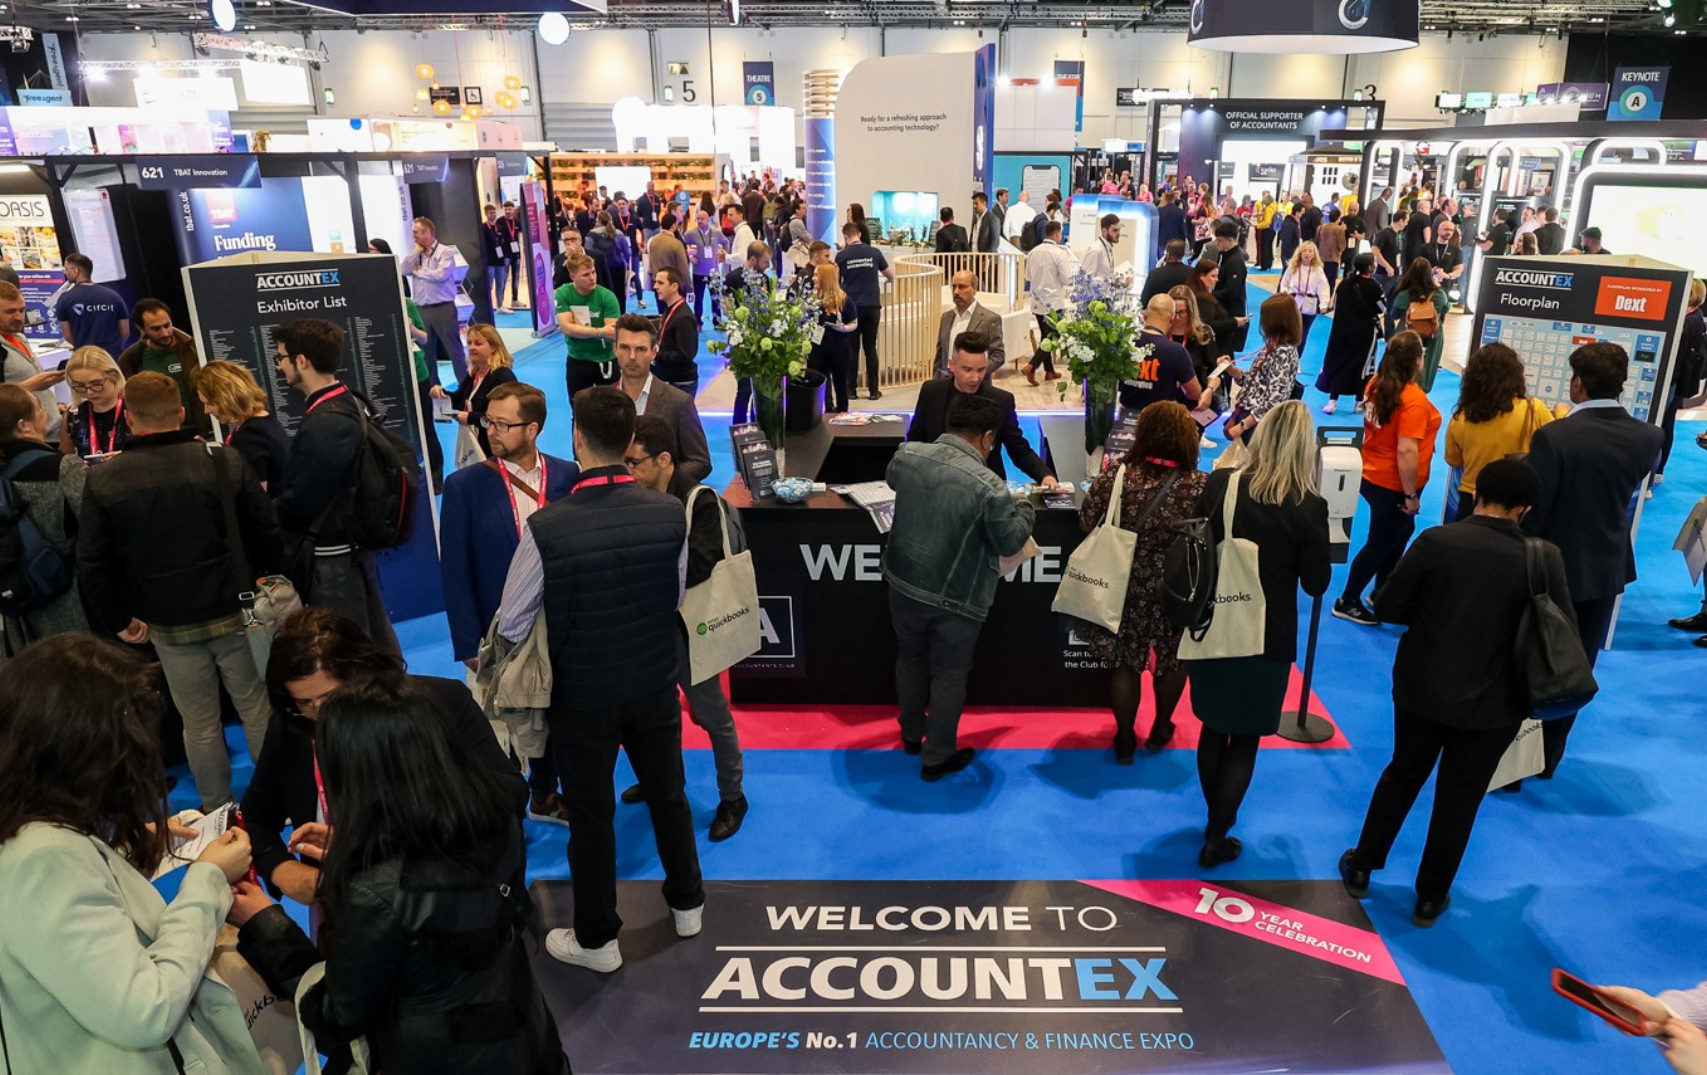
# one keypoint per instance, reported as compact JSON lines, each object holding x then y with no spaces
{"x":1097,"y":338}
{"x":767,"y":336}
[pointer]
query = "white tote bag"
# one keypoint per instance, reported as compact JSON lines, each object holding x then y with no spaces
{"x":271,"y":1017}
{"x":1526,"y":756}
{"x":1093,"y":588}
{"x":721,"y":613}
{"x":468,"y":450}
{"x":360,"y":1054}
{"x":1241,"y":611}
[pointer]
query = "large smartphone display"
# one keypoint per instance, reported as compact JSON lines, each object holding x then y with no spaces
{"x":1657,"y":222}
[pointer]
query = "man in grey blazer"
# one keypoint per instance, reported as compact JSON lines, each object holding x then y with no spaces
{"x":966,"y":315}
{"x":636,"y":347}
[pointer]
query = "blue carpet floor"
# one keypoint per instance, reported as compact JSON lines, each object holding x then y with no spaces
{"x":1598,"y":871}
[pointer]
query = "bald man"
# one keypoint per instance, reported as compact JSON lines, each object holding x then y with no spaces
{"x":967,"y":316}
{"x":1163,"y":370}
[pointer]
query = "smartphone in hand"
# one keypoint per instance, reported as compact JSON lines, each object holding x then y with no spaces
{"x":1614,"y":1011}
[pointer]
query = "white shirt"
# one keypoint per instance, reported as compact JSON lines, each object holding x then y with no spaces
{"x":1019,"y":215}
{"x":1099,"y":260}
{"x":534,"y":479}
{"x":1049,"y":267}
{"x":645,"y":394}
{"x":1533,"y":224}
{"x":962,"y":321}
{"x":743,"y":239}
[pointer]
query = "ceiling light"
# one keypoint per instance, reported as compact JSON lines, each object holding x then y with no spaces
{"x":72,"y":18}
{"x":1670,"y":19}
{"x":554,"y":28}
{"x":1681,"y":33}
{"x":1597,"y":18}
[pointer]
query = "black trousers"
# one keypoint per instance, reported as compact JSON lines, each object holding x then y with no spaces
{"x":1390,"y":528}
{"x":1594,"y":619}
{"x":870,"y":317}
{"x":1331,"y":270}
{"x":1265,"y":250}
{"x":584,"y":743}
{"x":934,"y":650}
{"x":430,"y":435}
{"x":1668,"y":426}
{"x":1043,"y":358}
{"x":700,"y":283}
{"x":589,"y":375}
{"x":1466,"y":760}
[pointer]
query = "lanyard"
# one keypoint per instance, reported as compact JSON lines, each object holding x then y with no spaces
{"x":474,"y":387}
{"x":232,"y":432}
{"x":336,"y":392}
{"x":112,"y":434}
{"x":671,"y":313}
{"x":320,"y":790}
{"x":510,"y":488}
{"x":602,"y":479}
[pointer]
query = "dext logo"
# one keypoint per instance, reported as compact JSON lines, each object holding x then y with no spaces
{"x":1632,"y":299}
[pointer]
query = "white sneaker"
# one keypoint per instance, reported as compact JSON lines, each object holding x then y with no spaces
{"x":1330,"y":406}
{"x":563,"y":946}
{"x":1659,"y":479}
{"x":688,"y":923}
{"x":1207,"y":445}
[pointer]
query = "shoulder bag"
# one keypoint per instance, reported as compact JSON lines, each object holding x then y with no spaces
{"x":273,"y":599}
{"x":1239,"y":623}
{"x":1551,"y":665}
{"x":721,"y":614}
{"x":1529,"y":402}
{"x":1093,"y":588}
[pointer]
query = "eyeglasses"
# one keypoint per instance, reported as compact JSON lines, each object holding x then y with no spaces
{"x":89,"y":386}
{"x":634,"y":461}
{"x":498,"y":425}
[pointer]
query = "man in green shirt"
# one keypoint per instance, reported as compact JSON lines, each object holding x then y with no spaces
{"x":587,"y":313}
{"x":165,"y":349}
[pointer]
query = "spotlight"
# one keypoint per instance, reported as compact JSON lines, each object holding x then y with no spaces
{"x":1670,"y":20}
{"x":553,"y":28}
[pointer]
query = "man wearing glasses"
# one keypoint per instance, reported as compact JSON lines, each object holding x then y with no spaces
{"x":480,"y":525}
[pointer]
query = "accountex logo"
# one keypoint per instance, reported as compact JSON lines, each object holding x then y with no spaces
{"x":1557,"y":281}
{"x":296,"y":281}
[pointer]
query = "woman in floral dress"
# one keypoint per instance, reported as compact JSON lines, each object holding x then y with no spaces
{"x":1161,"y":469}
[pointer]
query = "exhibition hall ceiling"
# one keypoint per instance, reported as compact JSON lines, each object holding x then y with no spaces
{"x":260,"y":16}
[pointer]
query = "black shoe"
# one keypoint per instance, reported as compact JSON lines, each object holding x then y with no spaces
{"x":1354,"y":612}
{"x":1160,"y":736}
{"x":1356,"y":881}
{"x":1702,"y":642}
{"x":635,"y":794}
{"x":1514,"y":787}
{"x":1428,"y":912}
{"x":1697,"y":622}
{"x":875,"y":394}
{"x":1216,"y":852}
{"x":1125,"y":745}
{"x":730,"y":814}
{"x":957,"y":761}
{"x":915,"y":747}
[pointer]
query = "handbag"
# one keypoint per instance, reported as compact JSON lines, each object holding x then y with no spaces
{"x":721,"y":614}
{"x":1241,"y":610}
{"x":1528,"y":431}
{"x":1551,"y":665}
{"x":271,"y":1017}
{"x":273,"y":600}
{"x":468,"y":451}
{"x":1093,"y":588}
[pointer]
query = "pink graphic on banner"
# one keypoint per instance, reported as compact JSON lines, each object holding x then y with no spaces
{"x":1308,"y":934}
{"x":539,"y":259}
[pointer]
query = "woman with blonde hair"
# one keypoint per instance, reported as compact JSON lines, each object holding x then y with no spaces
{"x":1274,"y":503}
{"x":489,"y":365}
{"x":1307,"y":283}
{"x":230,"y":396}
{"x":833,"y":354}
{"x":96,"y":425}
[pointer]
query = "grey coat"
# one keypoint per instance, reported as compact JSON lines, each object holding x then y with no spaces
{"x":53,"y":504}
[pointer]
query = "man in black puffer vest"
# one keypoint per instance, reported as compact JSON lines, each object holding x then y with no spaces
{"x":607,"y":562}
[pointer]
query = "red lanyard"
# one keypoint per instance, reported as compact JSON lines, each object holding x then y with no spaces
{"x":603,"y":479}
{"x":672,"y":312}
{"x":335,"y":393}
{"x":320,"y":790}
{"x":473,"y":388}
{"x":510,"y":487}
{"x":112,"y":434}
{"x":232,"y":432}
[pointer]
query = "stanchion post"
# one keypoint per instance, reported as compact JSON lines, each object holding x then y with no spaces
{"x":1305,"y":726}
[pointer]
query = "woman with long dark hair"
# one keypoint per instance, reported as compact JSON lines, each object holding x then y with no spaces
{"x":1399,"y":427}
{"x":611,"y":253}
{"x":1359,"y":305}
{"x":1160,"y":487}
{"x":424,"y":896}
{"x":1204,"y":276}
{"x":98,"y":971}
{"x":1495,"y":417}
{"x":49,"y":487}
{"x":1418,"y":286}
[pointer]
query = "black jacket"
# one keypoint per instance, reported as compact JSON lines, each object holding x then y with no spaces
{"x":951,"y":239}
{"x":984,"y":233}
{"x":282,"y":793}
{"x":1461,"y":589}
{"x":1590,"y":464}
{"x":1289,"y":238}
{"x":930,"y":421}
{"x":1550,"y":239}
{"x":322,"y":467}
{"x":1171,"y":224}
{"x":427,"y":961}
{"x":678,"y":346}
{"x":1292,"y":545}
{"x":1163,"y":279}
{"x":152,"y":544}
{"x":1230,"y":288}
{"x":612,"y":553}
{"x":1225,"y":327}
{"x":475,"y":402}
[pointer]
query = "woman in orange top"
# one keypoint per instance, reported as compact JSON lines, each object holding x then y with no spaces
{"x":1399,"y":428}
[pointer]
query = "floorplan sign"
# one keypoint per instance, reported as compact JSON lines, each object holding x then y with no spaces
{"x":1013,"y":976}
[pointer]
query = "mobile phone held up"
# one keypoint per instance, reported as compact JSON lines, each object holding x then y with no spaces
{"x":1614,"y":1011}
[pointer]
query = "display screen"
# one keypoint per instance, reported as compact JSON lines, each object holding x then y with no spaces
{"x":1449,"y":100}
{"x":1479,"y":100}
{"x":1657,"y":222}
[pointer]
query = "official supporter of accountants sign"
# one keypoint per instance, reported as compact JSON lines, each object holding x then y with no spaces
{"x":995,"y":977}
{"x":1324,"y":26}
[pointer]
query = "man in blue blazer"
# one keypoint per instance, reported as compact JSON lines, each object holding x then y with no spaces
{"x":480,"y":523}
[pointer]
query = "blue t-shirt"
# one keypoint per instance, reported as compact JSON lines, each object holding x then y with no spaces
{"x":862,"y":268}
{"x":94,"y":313}
{"x":1159,"y":376}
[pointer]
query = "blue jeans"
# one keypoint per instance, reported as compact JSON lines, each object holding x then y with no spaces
{"x":500,"y":274}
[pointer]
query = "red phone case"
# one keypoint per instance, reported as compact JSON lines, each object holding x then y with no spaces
{"x":1638,"y":1029}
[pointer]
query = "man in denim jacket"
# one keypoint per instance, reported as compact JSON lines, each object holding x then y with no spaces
{"x":954,"y":520}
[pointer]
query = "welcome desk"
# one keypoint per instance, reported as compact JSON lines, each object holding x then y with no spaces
{"x":827,"y":637}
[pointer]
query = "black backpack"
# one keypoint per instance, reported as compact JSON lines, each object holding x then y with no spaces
{"x":33,"y":569}
{"x":1187,"y":585}
{"x":382,"y":497}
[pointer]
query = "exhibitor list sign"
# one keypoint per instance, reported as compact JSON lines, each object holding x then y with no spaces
{"x":993,"y":977}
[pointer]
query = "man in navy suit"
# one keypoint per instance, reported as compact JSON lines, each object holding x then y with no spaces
{"x":480,"y":523}
{"x":1591,"y":465}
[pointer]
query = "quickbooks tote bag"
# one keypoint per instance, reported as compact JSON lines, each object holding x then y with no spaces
{"x":1093,"y":588}
{"x":721,"y":613}
{"x":1241,"y":611}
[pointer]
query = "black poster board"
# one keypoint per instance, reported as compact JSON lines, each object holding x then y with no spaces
{"x":235,"y":305}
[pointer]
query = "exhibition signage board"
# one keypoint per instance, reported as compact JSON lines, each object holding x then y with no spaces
{"x":202,"y":170}
{"x":217,"y":222}
{"x":993,"y":978}
{"x":426,"y":167}
{"x":1638,"y":93}
{"x":984,"y":118}
{"x":1334,"y":27}
{"x":1545,"y":308}
{"x":237,"y":302}
{"x":821,"y":214}
{"x":758,"y":82}
{"x":1075,"y":70}
{"x":539,"y":256}
{"x":1588,"y":96}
